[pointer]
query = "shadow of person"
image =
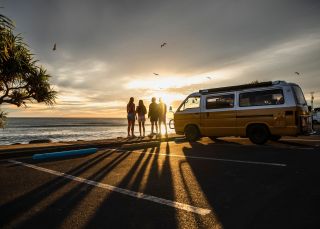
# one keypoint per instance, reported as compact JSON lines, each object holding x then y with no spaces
{"x":146,"y":177}
{"x":65,"y":204}
{"x":10,"y":211}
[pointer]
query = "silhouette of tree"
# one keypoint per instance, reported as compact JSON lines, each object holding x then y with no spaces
{"x":21,"y":79}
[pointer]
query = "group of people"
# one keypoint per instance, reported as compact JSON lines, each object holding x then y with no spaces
{"x":157,"y":113}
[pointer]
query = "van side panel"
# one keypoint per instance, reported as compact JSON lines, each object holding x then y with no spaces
{"x":280,"y":121}
{"x":218,"y":114}
{"x":218,"y":123}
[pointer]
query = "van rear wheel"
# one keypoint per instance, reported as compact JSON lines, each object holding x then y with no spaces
{"x":192,"y":133}
{"x":258,"y":134}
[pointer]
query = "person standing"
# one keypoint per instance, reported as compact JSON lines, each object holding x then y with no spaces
{"x":153,"y":114}
{"x":131,"y":116}
{"x":141,"y":111}
{"x":162,"y":115}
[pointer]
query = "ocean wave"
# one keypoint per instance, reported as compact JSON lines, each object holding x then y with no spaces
{"x":23,"y":130}
{"x":67,"y":125}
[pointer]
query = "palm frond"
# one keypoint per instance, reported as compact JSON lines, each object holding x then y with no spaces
{"x":6,"y":22}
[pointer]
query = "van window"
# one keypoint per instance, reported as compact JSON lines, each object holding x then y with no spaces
{"x":191,"y":103}
{"x":299,"y":95}
{"x":261,"y":98}
{"x":220,"y":101}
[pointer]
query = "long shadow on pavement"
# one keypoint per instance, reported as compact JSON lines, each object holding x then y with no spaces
{"x":119,"y":211}
{"x":61,"y":208}
{"x":13,"y":209}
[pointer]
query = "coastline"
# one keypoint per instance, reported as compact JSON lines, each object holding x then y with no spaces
{"x":24,"y":130}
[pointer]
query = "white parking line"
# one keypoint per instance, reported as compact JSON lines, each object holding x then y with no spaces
{"x":210,"y":158}
{"x":174,"y":204}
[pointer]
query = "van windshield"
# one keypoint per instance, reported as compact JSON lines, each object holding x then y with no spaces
{"x":299,"y":95}
{"x":192,"y":102}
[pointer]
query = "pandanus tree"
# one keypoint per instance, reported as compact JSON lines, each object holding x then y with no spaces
{"x":21,"y":79}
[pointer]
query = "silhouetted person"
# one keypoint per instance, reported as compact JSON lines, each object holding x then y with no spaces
{"x":153,"y":115}
{"x":141,"y":111}
{"x":162,"y":115}
{"x":131,"y":115}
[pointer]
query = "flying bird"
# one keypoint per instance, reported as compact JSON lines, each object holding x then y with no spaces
{"x":156,"y":74}
{"x":54,"y":47}
{"x":298,"y":73}
{"x":163,"y":44}
{"x":208,"y":77}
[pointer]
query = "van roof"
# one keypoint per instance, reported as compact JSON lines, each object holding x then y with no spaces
{"x":243,"y":86}
{"x":195,"y":94}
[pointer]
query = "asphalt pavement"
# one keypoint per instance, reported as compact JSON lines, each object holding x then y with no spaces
{"x":227,"y":183}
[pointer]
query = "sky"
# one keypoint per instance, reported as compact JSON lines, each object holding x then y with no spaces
{"x":109,"y":50}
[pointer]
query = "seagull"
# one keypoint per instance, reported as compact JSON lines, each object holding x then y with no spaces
{"x":156,"y":74}
{"x":208,"y":77}
{"x":163,"y":44}
{"x":298,"y":73}
{"x":54,"y":47}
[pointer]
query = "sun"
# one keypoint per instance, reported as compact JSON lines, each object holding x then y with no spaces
{"x":168,"y":98}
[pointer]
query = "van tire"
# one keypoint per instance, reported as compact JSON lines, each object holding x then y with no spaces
{"x":192,"y":133}
{"x":258,"y":134}
{"x":275,"y":137}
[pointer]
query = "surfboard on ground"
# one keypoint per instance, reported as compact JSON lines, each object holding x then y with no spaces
{"x":64,"y":153}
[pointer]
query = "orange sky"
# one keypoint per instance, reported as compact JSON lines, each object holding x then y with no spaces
{"x":109,"y":51}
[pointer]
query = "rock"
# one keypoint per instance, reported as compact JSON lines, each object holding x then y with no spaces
{"x":40,"y":141}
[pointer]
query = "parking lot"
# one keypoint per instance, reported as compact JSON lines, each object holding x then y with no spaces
{"x":227,"y":183}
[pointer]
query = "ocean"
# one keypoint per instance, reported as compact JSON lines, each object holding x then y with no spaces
{"x":23,"y":130}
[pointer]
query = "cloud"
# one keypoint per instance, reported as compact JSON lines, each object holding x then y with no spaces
{"x":108,"y":50}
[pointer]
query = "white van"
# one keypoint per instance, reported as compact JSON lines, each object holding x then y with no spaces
{"x":260,"y":111}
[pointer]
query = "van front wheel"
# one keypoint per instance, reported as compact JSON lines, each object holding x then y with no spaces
{"x":192,"y":133}
{"x":258,"y":134}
